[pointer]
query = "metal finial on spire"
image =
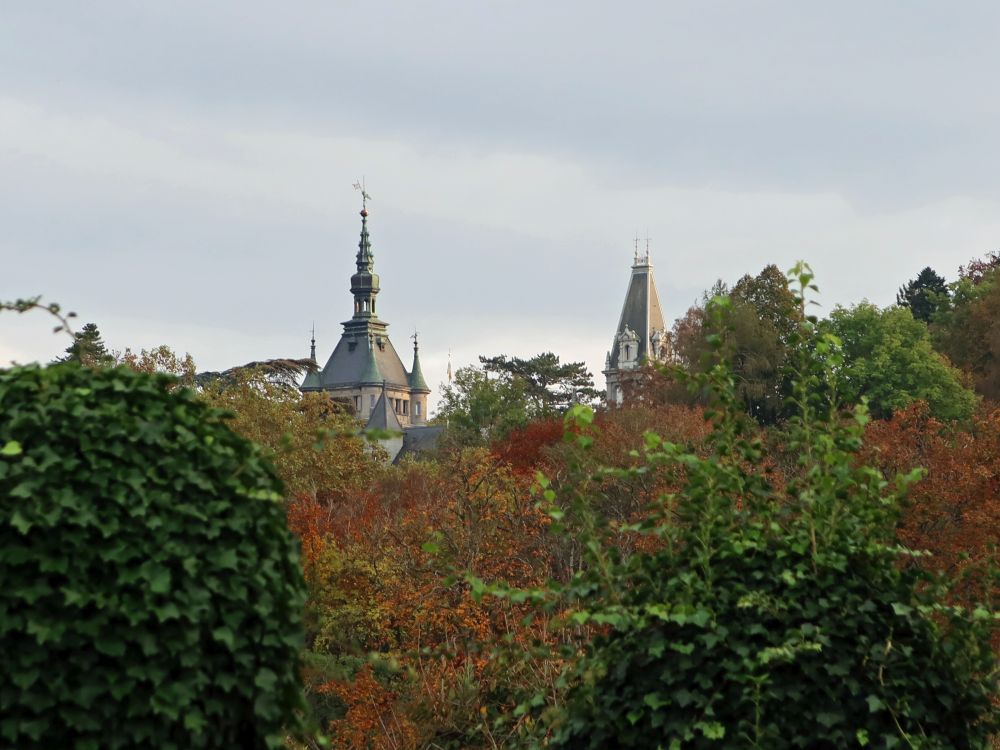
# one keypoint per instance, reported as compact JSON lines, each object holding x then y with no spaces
{"x":414,"y":337}
{"x":365,"y":197}
{"x":648,"y":238}
{"x":312,"y":343}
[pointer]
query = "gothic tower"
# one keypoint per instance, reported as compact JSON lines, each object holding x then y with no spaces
{"x":364,"y":369}
{"x":641,"y":335}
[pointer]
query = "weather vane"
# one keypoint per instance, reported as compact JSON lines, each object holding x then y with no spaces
{"x":364,"y":193}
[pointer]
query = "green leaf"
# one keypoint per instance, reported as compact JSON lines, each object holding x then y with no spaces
{"x":265,"y":679}
{"x":11,"y":448}
{"x":19,"y":522}
{"x":224,"y":635}
{"x":713,"y":730}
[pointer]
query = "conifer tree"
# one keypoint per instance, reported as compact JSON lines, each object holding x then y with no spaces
{"x":88,"y":348}
{"x":923,"y":294}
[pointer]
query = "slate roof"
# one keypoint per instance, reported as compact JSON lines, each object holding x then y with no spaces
{"x":383,"y":416}
{"x":348,"y":366}
{"x":641,"y":311}
{"x":419,"y":440}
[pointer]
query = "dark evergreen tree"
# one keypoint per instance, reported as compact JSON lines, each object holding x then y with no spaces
{"x":924,"y":294}
{"x":88,"y":348}
{"x":550,"y":385}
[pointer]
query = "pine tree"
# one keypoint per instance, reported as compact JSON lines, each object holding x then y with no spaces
{"x":88,"y":348}
{"x":923,"y":294}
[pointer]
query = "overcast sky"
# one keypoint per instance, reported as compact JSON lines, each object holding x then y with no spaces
{"x":180,"y":172}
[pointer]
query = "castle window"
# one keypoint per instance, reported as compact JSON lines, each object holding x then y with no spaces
{"x":357,"y":404}
{"x":406,"y":408}
{"x":416,"y":408}
{"x":371,"y":401}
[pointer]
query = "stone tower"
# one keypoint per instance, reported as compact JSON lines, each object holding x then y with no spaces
{"x":364,"y":369}
{"x":641,"y":335}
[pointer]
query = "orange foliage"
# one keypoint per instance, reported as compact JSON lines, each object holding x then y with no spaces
{"x":372,"y":719}
{"x":954,"y":512}
{"x":523,"y":450}
{"x":311,"y":522}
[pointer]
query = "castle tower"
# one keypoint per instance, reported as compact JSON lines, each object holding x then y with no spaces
{"x":364,"y":369}
{"x":641,"y":335}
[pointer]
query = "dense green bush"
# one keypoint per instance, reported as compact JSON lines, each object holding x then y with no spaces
{"x":774,"y":612}
{"x":150,"y":593}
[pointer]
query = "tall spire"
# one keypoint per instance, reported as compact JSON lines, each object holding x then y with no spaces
{"x":364,"y":283}
{"x":312,"y":344}
{"x":417,"y":382}
{"x":366,"y":258}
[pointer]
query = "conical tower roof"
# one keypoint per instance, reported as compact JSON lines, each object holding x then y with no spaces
{"x":383,"y":416}
{"x":641,"y":312}
{"x":371,"y":375}
{"x":416,"y":377}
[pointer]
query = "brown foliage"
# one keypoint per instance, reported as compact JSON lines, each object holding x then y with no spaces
{"x":954,"y":512}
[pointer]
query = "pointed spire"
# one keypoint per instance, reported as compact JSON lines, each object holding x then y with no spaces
{"x":312,"y":380}
{"x":371,"y":374}
{"x":416,"y":378}
{"x":366,"y":258}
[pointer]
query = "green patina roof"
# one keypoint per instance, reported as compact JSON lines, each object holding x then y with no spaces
{"x":371,"y":373}
{"x":416,"y":376}
{"x":311,"y":381}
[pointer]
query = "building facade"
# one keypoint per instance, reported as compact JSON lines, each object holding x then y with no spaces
{"x":641,"y":335}
{"x":364,"y":369}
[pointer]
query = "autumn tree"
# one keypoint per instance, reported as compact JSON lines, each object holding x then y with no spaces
{"x":161,"y":359}
{"x":315,"y":447}
{"x":924,"y":294}
{"x":888,"y":359}
{"x":954,"y":513}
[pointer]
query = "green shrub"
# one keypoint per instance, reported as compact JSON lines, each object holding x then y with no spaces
{"x":773,"y":612}
{"x":151,"y":593}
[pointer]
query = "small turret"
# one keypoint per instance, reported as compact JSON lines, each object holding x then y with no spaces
{"x":312,"y":381}
{"x":416,"y":378}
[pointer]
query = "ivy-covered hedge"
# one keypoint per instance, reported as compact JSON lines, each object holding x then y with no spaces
{"x":150,"y":593}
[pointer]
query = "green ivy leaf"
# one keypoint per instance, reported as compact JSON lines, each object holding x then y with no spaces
{"x":11,"y":448}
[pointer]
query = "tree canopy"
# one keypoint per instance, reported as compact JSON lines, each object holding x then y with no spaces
{"x":759,"y":317}
{"x":88,"y":348}
{"x":479,"y":409}
{"x":924,"y":294}
{"x":551,"y":386}
{"x":967,"y":328}
{"x":888,"y":359}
